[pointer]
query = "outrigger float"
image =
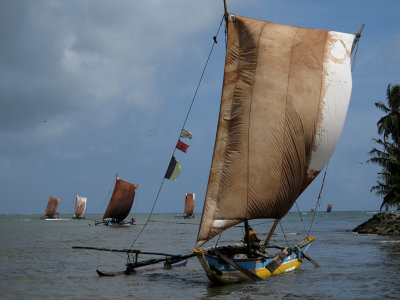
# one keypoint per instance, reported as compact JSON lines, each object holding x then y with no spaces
{"x":169,"y":260}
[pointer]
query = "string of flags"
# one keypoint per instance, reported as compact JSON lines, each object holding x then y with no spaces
{"x":174,"y":167}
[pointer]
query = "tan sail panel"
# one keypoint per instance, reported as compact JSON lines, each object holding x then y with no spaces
{"x":80,"y":206}
{"x":121,"y":200}
{"x":284,"y":101}
{"x":52,"y":206}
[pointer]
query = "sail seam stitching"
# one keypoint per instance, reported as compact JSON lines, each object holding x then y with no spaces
{"x":320,"y":115}
{"x":248,"y":128}
{"x":286,"y":102}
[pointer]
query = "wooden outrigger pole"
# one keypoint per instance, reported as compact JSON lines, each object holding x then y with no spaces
{"x":269,"y":235}
{"x":131,"y":266}
{"x":357,"y":38}
{"x":121,"y":250}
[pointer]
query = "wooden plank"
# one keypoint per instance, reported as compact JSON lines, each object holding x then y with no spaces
{"x":309,"y":258}
{"x":248,"y":273}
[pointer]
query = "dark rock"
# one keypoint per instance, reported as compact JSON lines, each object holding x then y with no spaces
{"x":381,"y":223}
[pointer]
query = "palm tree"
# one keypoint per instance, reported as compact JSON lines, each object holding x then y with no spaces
{"x":389,"y":156}
{"x":389,"y":125}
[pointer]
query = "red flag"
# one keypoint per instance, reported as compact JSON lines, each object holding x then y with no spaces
{"x":182,"y":146}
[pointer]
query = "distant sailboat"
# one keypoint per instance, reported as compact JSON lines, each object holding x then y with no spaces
{"x":189,"y":207}
{"x":80,"y":206}
{"x":120,"y":204}
{"x":51,"y":209}
{"x":329,"y":208}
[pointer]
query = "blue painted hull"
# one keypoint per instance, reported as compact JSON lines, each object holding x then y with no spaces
{"x":221,"y":272}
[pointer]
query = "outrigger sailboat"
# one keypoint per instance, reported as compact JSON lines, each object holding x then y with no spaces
{"x":80,"y":206}
{"x":284,"y":101}
{"x":189,"y":207}
{"x":51,"y":209}
{"x":120,"y":205}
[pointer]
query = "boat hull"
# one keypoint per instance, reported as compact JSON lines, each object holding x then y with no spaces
{"x":114,"y":223}
{"x":219,"y":272}
{"x":117,"y":224}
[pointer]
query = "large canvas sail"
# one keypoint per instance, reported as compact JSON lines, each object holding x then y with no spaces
{"x":80,"y":206}
{"x":121,"y":200}
{"x":284,"y":102}
{"x":52,"y":206}
{"x":189,"y":204}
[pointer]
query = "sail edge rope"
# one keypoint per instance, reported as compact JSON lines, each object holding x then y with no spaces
{"x":183,"y":126}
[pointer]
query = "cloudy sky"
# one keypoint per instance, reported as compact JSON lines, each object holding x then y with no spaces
{"x":94,"y":88}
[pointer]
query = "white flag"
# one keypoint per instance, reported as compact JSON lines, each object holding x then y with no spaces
{"x":186,"y":134}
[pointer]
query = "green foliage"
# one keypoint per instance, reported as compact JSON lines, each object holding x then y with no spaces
{"x":387,"y":155}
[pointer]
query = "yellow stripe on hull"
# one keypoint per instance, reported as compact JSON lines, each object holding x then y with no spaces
{"x":232,"y":277}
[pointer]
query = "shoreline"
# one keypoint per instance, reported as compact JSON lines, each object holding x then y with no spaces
{"x":381,"y":224}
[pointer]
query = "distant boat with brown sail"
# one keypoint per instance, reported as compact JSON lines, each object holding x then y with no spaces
{"x":80,"y":206}
{"x":120,"y":205}
{"x":189,"y":207}
{"x":329,"y":208}
{"x":51,"y":209}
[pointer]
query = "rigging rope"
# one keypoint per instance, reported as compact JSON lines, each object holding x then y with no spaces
{"x":301,"y":218}
{"x":284,"y":235}
{"x":353,"y":64}
{"x":319,"y":199}
{"x":174,"y":222}
{"x":183,"y":126}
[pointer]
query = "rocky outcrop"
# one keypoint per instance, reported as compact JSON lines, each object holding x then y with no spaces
{"x":381,"y":223}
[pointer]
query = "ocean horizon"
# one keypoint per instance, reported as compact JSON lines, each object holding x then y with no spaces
{"x":38,"y":262}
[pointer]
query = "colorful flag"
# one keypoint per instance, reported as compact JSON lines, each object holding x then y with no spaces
{"x":174,"y":169}
{"x":182,"y":146}
{"x":186,"y":134}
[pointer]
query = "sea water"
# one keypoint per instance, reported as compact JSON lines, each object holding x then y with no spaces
{"x":37,"y":260}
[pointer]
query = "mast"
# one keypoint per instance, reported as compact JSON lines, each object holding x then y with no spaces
{"x":357,"y":38}
{"x":247,"y":235}
{"x":226,"y":14}
{"x":269,"y":235}
{"x":225,"y":8}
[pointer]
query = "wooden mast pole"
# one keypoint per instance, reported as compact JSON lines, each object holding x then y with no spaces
{"x":247,"y":236}
{"x":269,"y":235}
{"x":357,"y":38}
{"x":225,"y":8}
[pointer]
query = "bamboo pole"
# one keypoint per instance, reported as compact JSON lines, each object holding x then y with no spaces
{"x":357,"y":38}
{"x":155,"y":261}
{"x":247,"y":235}
{"x":269,"y":235}
{"x":122,"y":250}
{"x":225,"y":8}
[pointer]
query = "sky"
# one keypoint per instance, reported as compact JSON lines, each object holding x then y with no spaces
{"x":92,"y":88}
